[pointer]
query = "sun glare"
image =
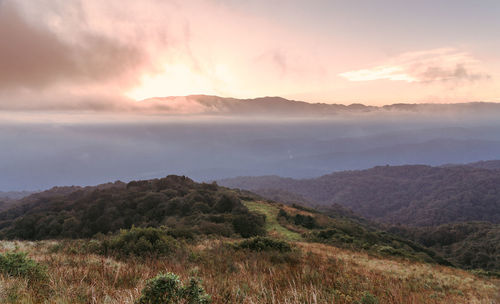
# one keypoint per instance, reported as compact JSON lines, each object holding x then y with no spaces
{"x":176,"y":80}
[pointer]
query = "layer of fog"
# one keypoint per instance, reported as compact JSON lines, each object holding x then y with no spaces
{"x":39,"y":152}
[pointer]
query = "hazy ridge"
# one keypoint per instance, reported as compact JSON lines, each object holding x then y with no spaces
{"x":278,"y":106}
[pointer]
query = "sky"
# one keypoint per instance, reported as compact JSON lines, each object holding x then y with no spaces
{"x":105,"y":55}
{"x":74,"y":74}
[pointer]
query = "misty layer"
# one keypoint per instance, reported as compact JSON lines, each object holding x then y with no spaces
{"x":38,"y":155}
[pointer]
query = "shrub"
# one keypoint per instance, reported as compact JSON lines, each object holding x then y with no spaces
{"x":368,"y":298}
{"x":226,"y":203}
{"x":194,"y":293}
{"x":141,"y":242}
{"x":215,"y":228}
{"x":282,"y":213}
{"x":18,"y":264}
{"x":306,"y":221}
{"x":93,"y":246}
{"x":388,"y":250}
{"x":168,"y":289}
{"x":181,"y":233}
{"x":264,"y":244}
{"x":248,"y":225}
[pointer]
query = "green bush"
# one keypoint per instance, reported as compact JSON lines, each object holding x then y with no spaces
{"x":141,"y":242}
{"x":18,"y":264}
{"x":368,"y":298}
{"x":194,"y":293}
{"x":264,"y":244}
{"x":388,"y":250}
{"x":249,"y":224}
{"x":168,"y":289}
{"x":305,"y":221}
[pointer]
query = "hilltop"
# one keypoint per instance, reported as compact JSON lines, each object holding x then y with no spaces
{"x":176,"y":201}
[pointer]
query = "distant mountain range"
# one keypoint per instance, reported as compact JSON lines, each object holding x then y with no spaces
{"x":215,"y":105}
{"x":413,"y":194}
{"x":9,"y":197}
{"x":14,"y":195}
{"x":486,"y":164}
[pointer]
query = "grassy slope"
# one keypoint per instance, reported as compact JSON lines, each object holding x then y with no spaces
{"x":321,"y":274}
{"x":348,"y":232}
{"x":317,"y":273}
{"x":272,"y":226}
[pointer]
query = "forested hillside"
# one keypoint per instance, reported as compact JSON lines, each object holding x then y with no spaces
{"x":471,"y":245}
{"x":175,"y":201}
{"x":412,"y":195}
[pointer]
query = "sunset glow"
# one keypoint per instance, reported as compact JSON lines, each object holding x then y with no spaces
{"x":305,"y":51}
{"x":176,"y":80}
{"x":262,"y":151}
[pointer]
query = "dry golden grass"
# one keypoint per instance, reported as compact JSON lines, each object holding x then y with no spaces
{"x":317,"y":274}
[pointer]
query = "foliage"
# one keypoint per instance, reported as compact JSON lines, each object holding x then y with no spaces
{"x":176,"y":202}
{"x":471,"y":245}
{"x":368,"y":298}
{"x":141,"y":242}
{"x":264,"y":244}
{"x":350,"y":234}
{"x":414,"y":194}
{"x":298,"y":219}
{"x":18,"y":264}
{"x":346,"y":232}
{"x":166,"y":288}
{"x":248,"y":225}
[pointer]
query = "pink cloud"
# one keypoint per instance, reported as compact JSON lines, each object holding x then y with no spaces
{"x":445,"y":64}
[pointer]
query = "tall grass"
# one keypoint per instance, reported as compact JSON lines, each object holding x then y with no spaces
{"x":320,"y":274}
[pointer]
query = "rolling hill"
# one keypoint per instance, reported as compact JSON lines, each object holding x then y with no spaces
{"x":173,"y":201}
{"x":208,"y":231}
{"x":415,"y":195}
{"x":453,"y":210}
{"x":191,"y":209}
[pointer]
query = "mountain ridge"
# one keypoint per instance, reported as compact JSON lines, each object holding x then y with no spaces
{"x":275,"y":105}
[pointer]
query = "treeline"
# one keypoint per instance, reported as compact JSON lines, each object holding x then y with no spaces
{"x":412,"y":195}
{"x":343,"y":231}
{"x":176,"y":202}
{"x":470,"y":245}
